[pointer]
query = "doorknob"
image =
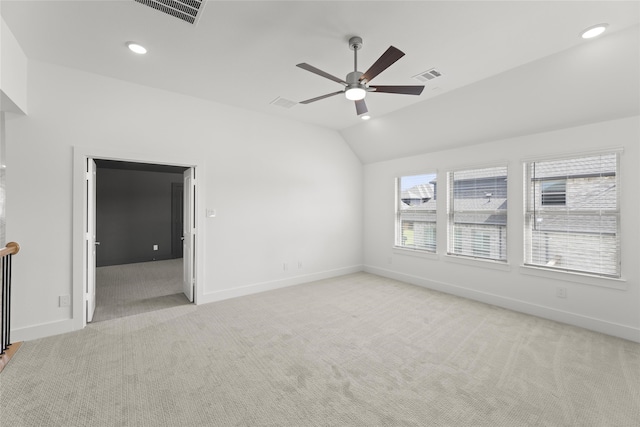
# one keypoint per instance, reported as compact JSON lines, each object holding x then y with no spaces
{"x":97,"y":243}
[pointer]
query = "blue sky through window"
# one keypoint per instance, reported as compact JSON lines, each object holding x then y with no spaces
{"x":411,"y":181}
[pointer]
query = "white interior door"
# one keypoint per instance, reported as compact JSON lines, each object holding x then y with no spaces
{"x":188,"y":234}
{"x":90,"y":293}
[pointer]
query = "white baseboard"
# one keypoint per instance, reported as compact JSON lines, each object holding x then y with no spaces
{"x":622,"y":331}
{"x":255,"y":288}
{"x":598,"y":325}
{"x":42,"y":330}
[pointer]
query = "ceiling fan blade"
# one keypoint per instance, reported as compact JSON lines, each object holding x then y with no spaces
{"x":315,"y":70}
{"x":361,"y":107}
{"x":403,"y":90}
{"x":387,"y":59}
{"x":308,"y":101}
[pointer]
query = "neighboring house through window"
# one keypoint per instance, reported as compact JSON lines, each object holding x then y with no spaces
{"x":416,"y":212}
{"x":572,"y":215}
{"x":478,"y":213}
{"x":554,"y":192}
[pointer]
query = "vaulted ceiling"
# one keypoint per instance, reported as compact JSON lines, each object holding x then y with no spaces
{"x":504,"y":64}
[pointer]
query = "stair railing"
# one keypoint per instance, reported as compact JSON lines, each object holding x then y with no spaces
{"x":6,"y":255}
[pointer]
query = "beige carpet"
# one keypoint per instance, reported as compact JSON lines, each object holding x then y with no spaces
{"x":358,"y":350}
{"x":125,"y":290}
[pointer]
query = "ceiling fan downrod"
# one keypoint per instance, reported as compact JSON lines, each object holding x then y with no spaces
{"x":356,"y":89}
{"x":355,"y":44}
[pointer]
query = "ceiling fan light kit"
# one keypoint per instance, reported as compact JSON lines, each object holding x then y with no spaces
{"x":356,"y":84}
{"x":355,"y":93}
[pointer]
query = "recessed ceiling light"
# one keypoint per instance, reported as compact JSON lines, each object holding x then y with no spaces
{"x":594,"y":31}
{"x":135,"y":47}
{"x":365,"y":117}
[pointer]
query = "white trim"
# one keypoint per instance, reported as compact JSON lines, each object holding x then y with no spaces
{"x":571,"y":155}
{"x":529,"y":193}
{"x":478,"y":262}
{"x":79,"y":218}
{"x":399,"y":250}
{"x":397,"y":227}
{"x":255,"y":288}
{"x":476,"y":166}
{"x":451,"y":211}
{"x":433,"y":172}
{"x":42,"y":330}
{"x":586,"y":322}
{"x":575,"y":276}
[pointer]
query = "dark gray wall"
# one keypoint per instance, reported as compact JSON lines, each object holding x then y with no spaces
{"x":133,"y":213}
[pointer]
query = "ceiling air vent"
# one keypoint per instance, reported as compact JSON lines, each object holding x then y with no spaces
{"x":428,"y":75}
{"x":282,"y":102}
{"x":186,"y":10}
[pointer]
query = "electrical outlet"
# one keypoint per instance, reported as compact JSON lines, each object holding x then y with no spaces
{"x":561,"y":292}
{"x":285,"y":267}
{"x":64,"y":300}
{"x":155,"y":247}
{"x":299,"y":265}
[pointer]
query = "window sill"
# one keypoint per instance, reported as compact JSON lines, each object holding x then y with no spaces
{"x":567,"y":276}
{"x":478,"y":262}
{"x":414,"y":253}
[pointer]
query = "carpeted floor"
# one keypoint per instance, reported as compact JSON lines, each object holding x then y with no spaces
{"x":357,"y":350}
{"x":125,"y":290}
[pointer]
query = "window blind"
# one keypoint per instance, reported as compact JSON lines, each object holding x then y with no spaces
{"x":416,"y":212}
{"x":478,"y":213}
{"x":577,"y":231}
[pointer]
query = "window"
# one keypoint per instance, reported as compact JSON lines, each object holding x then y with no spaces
{"x":572,"y":215}
{"x":554,"y":192}
{"x":481,"y":244}
{"x":416,"y":212}
{"x":478,"y":213}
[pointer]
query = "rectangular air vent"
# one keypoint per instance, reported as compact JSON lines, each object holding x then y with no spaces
{"x":428,"y":75}
{"x":186,"y":10}
{"x":282,"y":102}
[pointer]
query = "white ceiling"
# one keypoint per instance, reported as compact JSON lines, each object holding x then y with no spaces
{"x":244,"y":53}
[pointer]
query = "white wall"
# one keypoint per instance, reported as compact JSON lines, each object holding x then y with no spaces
{"x":284,"y":192}
{"x":562,"y":90}
{"x":13,"y":72}
{"x":604,"y":305}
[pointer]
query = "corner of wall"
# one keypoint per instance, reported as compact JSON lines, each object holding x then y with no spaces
{"x":13,"y":73}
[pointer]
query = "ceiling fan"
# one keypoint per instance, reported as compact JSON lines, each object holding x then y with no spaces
{"x":356,"y":84}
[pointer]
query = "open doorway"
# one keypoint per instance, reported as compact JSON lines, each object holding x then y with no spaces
{"x":139,"y":238}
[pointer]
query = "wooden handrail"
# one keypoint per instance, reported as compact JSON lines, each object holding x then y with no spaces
{"x":12,"y":248}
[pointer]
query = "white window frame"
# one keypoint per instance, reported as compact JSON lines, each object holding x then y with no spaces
{"x":454,"y":247}
{"x":529,"y":211}
{"x":398,"y":219}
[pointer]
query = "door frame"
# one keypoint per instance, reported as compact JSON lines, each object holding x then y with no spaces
{"x":79,"y":217}
{"x":177,"y":209}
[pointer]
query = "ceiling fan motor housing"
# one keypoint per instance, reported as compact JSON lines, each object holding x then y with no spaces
{"x":355,"y":89}
{"x":353,"y":78}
